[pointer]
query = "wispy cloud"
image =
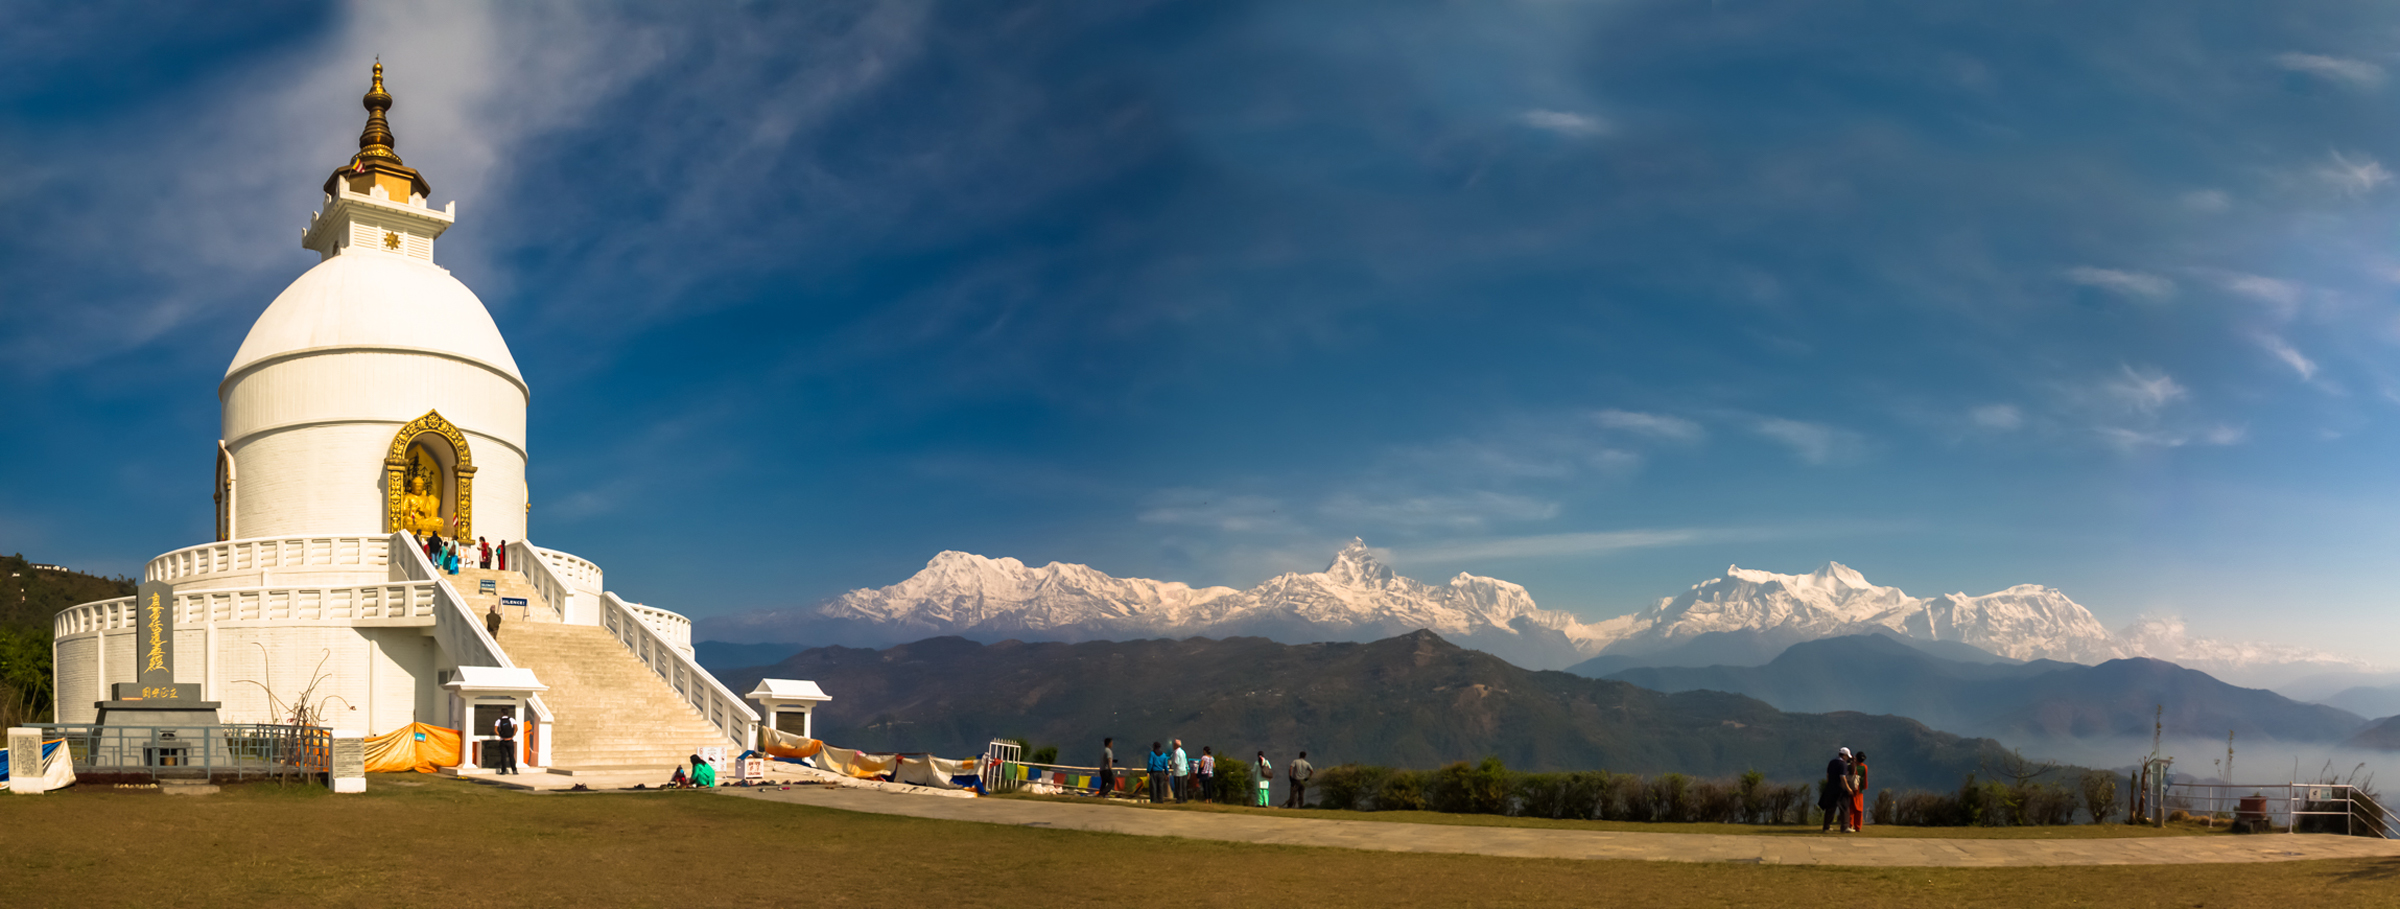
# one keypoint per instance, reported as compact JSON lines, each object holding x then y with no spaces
{"x":1216,"y":510}
{"x":2282,"y":350}
{"x":2356,"y":73}
{"x":1460,"y":511}
{"x":2128,"y":283}
{"x":1813,"y":443}
{"x":2281,"y":297}
{"x":1564,"y":123}
{"x":1657,"y":426}
{"x":2356,"y":177}
{"x":1998,"y":416}
{"x":1559,"y":544}
{"x":2142,"y":391}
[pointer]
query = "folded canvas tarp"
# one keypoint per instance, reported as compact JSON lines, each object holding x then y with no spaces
{"x":856,"y":763}
{"x":416,"y":746}
{"x":927,"y":770}
{"x":777,"y":743}
{"x":58,"y":766}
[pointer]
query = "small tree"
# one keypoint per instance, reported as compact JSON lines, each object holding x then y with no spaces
{"x":2099,"y":794}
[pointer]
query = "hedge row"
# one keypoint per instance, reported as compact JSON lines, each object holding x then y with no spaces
{"x":1489,"y":787}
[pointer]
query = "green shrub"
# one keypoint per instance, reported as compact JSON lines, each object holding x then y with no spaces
{"x":1403,"y":790}
{"x":1463,"y":788}
{"x":1347,"y":787}
{"x":1543,"y":795}
{"x":1234,"y":785}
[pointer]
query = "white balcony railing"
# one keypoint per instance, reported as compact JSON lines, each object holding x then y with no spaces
{"x":268,"y":554}
{"x":402,"y":603}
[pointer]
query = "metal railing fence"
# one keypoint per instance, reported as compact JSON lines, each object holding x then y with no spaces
{"x":233,"y":750}
{"x":2291,"y":807}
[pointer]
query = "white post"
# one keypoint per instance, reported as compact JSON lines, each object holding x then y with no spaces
{"x":347,"y":772}
{"x":25,"y":760}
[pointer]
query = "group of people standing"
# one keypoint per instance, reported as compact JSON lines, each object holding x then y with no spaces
{"x":1844,"y":797}
{"x":450,"y":555}
{"x":1175,"y":774}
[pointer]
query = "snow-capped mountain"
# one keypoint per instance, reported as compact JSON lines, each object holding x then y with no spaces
{"x":2024,"y":622}
{"x":1355,"y":598}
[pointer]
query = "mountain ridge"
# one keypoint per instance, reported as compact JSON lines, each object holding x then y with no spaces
{"x":1743,"y":615}
{"x":1414,"y":700}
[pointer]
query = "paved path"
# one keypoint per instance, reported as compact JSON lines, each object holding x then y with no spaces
{"x":1525,"y":842}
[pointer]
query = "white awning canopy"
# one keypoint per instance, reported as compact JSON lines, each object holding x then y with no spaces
{"x":788,"y":690}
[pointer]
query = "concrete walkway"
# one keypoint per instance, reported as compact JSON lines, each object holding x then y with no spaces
{"x":1524,"y":842}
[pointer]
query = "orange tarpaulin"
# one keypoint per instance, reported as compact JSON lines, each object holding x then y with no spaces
{"x":415,"y":746}
{"x":777,"y":743}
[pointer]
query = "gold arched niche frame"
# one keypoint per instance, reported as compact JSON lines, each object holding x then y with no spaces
{"x":395,"y":472}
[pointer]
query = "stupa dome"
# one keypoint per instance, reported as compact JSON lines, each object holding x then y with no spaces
{"x":367,"y":300}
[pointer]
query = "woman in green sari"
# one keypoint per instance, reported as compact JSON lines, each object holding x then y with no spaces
{"x":703,"y":775}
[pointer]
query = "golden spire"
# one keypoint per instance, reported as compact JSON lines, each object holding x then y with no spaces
{"x":377,"y":140}
{"x":376,"y":164}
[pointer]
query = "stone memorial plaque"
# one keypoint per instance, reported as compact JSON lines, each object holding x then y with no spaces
{"x":24,"y":754}
{"x":154,"y":636}
{"x":346,"y":760}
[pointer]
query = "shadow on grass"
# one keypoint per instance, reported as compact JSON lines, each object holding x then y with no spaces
{"x":2373,"y":870}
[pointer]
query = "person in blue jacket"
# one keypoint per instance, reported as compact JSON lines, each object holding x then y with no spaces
{"x":1158,"y":772}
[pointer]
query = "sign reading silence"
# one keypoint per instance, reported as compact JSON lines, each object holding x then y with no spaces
{"x":154,"y":648}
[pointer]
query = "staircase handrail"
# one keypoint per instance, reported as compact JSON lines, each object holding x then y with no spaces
{"x":458,"y":629}
{"x":704,"y":693}
{"x":528,"y":559}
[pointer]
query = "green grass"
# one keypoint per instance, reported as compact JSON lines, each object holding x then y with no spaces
{"x":427,"y":841}
{"x":2072,"y":832}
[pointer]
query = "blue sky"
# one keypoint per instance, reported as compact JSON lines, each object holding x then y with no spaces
{"x":1596,"y":297}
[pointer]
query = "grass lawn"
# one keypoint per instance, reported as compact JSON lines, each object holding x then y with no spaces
{"x":2071,"y":832}
{"x":425,"y":841}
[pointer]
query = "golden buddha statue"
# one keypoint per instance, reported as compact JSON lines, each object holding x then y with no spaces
{"x":420,"y":511}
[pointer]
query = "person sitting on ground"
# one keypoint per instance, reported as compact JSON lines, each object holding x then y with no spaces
{"x":703,"y":775}
{"x":679,"y":781}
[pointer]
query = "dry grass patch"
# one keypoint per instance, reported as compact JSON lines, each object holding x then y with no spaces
{"x":419,"y":840}
{"x":2070,"y":832}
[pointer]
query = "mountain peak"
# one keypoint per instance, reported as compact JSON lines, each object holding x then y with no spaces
{"x":1356,"y":566}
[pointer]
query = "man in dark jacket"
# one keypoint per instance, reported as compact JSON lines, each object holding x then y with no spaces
{"x":1835,"y":798}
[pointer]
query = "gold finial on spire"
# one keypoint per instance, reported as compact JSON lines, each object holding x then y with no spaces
{"x":376,"y":163}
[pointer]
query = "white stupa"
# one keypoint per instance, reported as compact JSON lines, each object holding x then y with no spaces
{"x":375,"y":403}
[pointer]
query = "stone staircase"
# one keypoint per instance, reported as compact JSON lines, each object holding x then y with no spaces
{"x":506,"y":585}
{"x":613,"y":714}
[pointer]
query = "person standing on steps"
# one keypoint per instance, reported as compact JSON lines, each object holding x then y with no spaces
{"x":503,"y":555}
{"x":506,"y":729}
{"x":1182,"y":766}
{"x":1299,"y":771}
{"x":1106,"y":779}
{"x":487,"y":552}
{"x":1266,"y":779}
{"x":491,"y":621}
